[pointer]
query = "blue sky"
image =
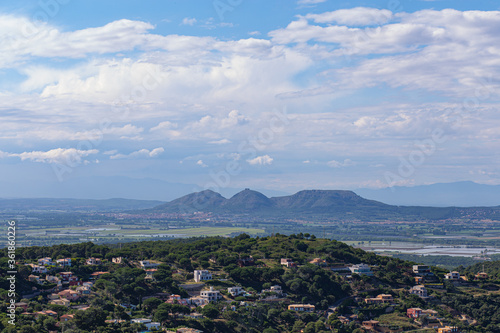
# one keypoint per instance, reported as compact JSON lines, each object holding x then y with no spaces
{"x":276,"y":95}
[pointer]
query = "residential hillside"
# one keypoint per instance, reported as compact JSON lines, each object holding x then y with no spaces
{"x":295,"y":283}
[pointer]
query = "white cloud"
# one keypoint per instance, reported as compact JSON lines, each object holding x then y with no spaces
{"x":261,"y":160}
{"x":143,"y":153}
{"x":189,"y":21}
{"x":356,"y":16}
{"x":337,"y":164}
{"x":200,"y":163}
{"x":70,"y":156}
{"x":310,"y":2}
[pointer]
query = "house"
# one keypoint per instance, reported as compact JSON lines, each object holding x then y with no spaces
{"x":53,"y":279}
{"x":66,"y":317}
{"x":235,"y":291}
{"x":202,"y":275}
{"x":61,"y":301}
{"x":93,"y":261}
{"x":34,"y":278}
{"x":72,"y":282}
{"x":22,"y":305}
{"x":117,"y":260}
{"x":452,"y":276}
{"x":53,"y":296}
{"x":288,"y":262}
{"x":414,"y":313}
{"x":421,"y":269}
{"x":482,"y":276}
{"x":176,"y":299}
{"x":45,"y":313}
{"x":301,"y":307}
{"x":146,"y":264}
{"x":149,"y":273}
{"x":448,"y":329}
{"x":83,"y":290}
{"x":419,"y":291}
{"x":66,"y":276}
{"x":198,"y":300}
{"x":38,"y":269}
{"x":69,"y":294}
{"x":277,"y":289}
{"x":211,"y":295}
{"x":242,"y":262}
{"x":47,"y":261}
{"x":380,"y":299}
{"x":318,"y":262}
{"x":194,"y":315}
{"x":361,"y":269}
{"x":370,"y":324}
{"x":146,"y":322}
{"x":273,"y":289}
{"x":66,"y":262}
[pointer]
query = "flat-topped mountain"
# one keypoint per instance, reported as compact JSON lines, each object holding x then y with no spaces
{"x":331,"y":204}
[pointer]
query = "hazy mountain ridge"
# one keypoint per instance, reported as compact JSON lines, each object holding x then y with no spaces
{"x":50,"y":204}
{"x":334,"y":204}
{"x":457,"y":194}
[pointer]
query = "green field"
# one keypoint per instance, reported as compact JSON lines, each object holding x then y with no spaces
{"x":116,"y":233}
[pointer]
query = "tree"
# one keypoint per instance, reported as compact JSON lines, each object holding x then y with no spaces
{"x":90,"y":319}
{"x":210,"y":311}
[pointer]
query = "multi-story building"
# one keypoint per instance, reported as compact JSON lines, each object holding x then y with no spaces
{"x":235,"y":291}
{"x":421,"y":269}
{"x":414,"y":313}
{"x":66,"y":262}
{"x":211,"y":295}
{"x":202,"y":275}
{"x":382,"y":298}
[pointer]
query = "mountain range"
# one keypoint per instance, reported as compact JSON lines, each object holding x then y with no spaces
{"x":330,"y":204}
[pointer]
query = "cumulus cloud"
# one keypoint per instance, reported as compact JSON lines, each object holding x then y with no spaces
{"x":143,"y":153}
{"x":189,"y":21}
{"x":67,"y":156}
{"x":261,"y":160}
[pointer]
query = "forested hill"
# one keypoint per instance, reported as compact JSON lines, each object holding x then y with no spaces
{"x":345,"y":205}
{"x":492,"y":268}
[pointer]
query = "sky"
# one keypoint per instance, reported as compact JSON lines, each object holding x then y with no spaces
{"x":276,"y":95}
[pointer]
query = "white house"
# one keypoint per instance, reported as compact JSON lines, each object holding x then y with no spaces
{"x":419,"y":291}
{"x":211,"y":295}
{"x":147,"y":322}
{"x":66,"y":262}
{"x":235,"y":291}
{"x":38,"y":269}
{"x":47,"y":261}
{"x":202,"y":275}
{"x":452,"y":276}
{"x":146,"y":264}
{"x":198,"y":300}
{"x":361,"y":269}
